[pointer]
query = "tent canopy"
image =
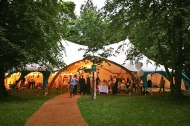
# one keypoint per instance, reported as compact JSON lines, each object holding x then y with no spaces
{"x":104,"y":69}
{"x":72,"y":54}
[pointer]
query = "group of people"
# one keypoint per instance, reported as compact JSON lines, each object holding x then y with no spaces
{"x":28,"y":82}
{"x":117,"y":85}
{"x":149,"y":88}
{"x":22,"y":84}
{"x":31,"y":82}
{"x":128,"y":85}
{"x":81,"y":84}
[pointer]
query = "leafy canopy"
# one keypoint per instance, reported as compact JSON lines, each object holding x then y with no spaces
{"x":91,"y":29}
{"x":152,"y":26}
{"x":159,"y":29}
{"x":30,"y":31}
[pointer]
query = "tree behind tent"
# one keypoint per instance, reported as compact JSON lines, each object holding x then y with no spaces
{"x":30,"y":32}
{"x":157,"y":28}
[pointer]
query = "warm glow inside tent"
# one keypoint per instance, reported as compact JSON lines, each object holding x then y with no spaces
{"x":113,"y":65}
{"x":104,"y":69}
{"x":156,"y":77}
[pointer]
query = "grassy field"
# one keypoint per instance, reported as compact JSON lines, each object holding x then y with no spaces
{"x":159,"y":110}
{"x":106,"y":110}
{"x":17,"y":108}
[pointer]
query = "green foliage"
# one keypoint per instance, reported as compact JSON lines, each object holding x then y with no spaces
{"x":32,"y":30}
{"x":90,"y":28}
{"x":158,"y":29}
{"x":150,"y":24}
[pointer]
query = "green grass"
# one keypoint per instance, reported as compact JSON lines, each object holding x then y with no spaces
{"x":19,"y":106}
{"x":106,"y":110}
{"x":158,"y":110}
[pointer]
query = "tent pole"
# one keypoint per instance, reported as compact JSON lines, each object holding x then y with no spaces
{"x":95,"y":85}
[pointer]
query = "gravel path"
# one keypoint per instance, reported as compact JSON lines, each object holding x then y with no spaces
{"x":59,"y":111}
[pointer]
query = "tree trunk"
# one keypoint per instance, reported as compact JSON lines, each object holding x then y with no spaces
{"x":176,"y":88}
{"x":178,"y":23}
{"x":93,"y":83}
{"x":3,"y":91}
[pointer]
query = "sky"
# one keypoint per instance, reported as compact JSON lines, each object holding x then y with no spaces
{"x":98,"y":3}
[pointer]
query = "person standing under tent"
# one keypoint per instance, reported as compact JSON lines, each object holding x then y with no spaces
{"x":65,"y":83}
{"x":73,"y":81}
{"x":88,"y":84}
{"x":149,"y":86}
{"x":60,"y":83}
{"x":30,"y":81}
{"x":128,"y":83}
{"x":110,"y":83}
{"x":97,"y":82}
{"x":162,"y":84}
{"x":75,"y":90}
{"x":141,"y":86}
{"x":82,"y":84}
{"x":115,"y":85}
{"x":22,"y":85}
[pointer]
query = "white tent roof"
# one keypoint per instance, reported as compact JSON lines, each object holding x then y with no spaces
{"x":73,"y":54}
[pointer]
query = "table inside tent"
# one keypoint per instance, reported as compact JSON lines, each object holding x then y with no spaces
{"x":103,"y":89}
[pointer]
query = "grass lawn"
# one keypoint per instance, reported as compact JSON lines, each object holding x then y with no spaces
{"x":17,"y":108}
{"x":158,"y":110}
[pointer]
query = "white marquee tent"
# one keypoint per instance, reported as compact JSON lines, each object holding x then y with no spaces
{"x":73,"y":54}
{"x":73,"y":58}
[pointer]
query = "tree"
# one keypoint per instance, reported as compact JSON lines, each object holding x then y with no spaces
{"x":30,"y":32}
{"x":92,"y":30}
{"x":157,"y":28}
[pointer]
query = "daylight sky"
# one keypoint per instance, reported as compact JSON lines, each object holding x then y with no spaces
{"x":98,"y":3}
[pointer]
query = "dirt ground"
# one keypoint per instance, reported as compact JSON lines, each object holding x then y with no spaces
{"x":59,"y":111}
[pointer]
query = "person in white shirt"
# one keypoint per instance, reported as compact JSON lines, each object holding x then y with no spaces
{"x":73,"y":81}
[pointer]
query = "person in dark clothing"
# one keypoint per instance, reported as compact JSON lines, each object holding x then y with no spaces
{"x":88,"y":84}
{"x":23,"y":82}
{"x":97,"y":82}
{"x":162,"y":84}
{"x":82,"y":84}
{"x":115,"y":86}
{"x":128,"y":83}
{"x":75,"y":90}
{"x":73,"y":81}
{"x":149,"y":83}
